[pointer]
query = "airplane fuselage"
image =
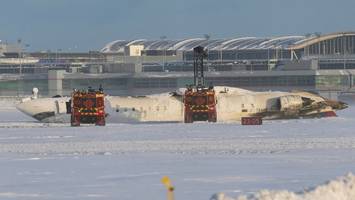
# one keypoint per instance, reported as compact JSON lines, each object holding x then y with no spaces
{"x":232,"y":105}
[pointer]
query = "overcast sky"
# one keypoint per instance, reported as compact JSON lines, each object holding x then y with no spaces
{"x":82,"y":25}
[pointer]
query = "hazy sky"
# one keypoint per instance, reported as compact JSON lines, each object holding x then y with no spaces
{"x":83,"y":25}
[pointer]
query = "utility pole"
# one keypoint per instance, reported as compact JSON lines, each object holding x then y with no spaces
{"x":56,"y":57}
{"x":19,"y":41}
{"x":207,"y":38}
{"x":162,"y":38}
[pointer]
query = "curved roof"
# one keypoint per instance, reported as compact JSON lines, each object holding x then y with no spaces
{"x":212,"y":44}
{"x":241,"y":43}
{"x":313,"y":40}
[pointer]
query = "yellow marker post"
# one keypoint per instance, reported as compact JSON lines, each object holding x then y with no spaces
{"x":166,"y":181}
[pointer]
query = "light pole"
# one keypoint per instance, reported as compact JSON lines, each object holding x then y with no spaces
{"x":22,"y":56}
{"x":344,"y":60}
{"x":19,"y":41}
{"x":268,"y":59}
{"x":56,"y":57}
{"x":207,"y":38}
{"x":162,"y":38}
{"x":344,"y":51}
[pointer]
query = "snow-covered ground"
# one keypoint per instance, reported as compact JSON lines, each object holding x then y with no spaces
{"x":127,"y":161}
{"x":340,"y":189}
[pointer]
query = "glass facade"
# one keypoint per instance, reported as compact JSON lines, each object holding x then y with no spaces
{"x":129,"y":86}
{"x":112,"y":86}
{"x":155,"y":83}
{"x":333,"y":82}
{"x":22,"y":87}
{"x":343,"y":45}
{"x":263,"y":81}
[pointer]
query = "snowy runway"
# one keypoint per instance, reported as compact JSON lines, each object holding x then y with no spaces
{"x":126,"y":161}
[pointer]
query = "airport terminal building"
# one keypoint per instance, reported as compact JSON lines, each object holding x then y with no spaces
{"x":313,"y":62}
{"x":261,"y":53}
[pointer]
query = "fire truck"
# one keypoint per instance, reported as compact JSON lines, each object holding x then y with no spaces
{"x":199,"y":100}
{"x":88,"y":107}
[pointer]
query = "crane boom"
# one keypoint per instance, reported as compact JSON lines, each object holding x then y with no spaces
{"x":199,"y":55}
{"x":199,"y":101}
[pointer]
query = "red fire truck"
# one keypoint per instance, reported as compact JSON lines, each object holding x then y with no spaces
{"x":88,"y":107}
{"x":199,"y":100}
{"x":200,"y":105}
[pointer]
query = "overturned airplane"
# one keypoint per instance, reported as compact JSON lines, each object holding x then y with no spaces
{"x":194,"y":103}
{"x":231,"y":105}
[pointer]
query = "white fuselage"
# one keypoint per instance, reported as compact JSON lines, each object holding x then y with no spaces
{"x":232,"y":104}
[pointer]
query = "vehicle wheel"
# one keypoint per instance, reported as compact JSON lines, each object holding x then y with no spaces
{"x":74,"y":121}
{"x":101,"y":122}
{"x":214,"y":119}
{"x":188,"y":119}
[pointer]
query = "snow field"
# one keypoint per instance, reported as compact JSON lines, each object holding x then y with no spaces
{"x":127,"y":161}
{"x":343,"y":188}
